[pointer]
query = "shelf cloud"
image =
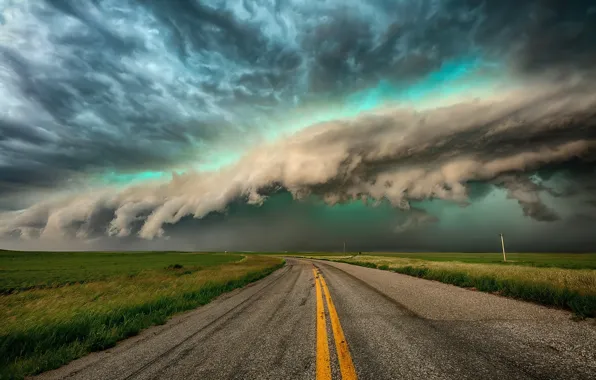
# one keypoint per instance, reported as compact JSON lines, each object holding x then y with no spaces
{"x":297,"y":125}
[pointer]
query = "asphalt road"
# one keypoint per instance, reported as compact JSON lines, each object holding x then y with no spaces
{"x":343,"y":321}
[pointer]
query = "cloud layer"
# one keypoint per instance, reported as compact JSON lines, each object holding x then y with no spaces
{"x":495,"y":98}
{"x":396,"y":155}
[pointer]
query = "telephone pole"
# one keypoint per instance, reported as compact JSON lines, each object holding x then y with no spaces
{"x":503,"y":246}
{"x":344,"y":247}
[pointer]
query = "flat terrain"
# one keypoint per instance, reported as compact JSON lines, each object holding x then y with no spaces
{"x":554,"y":260}
{"x":550,"y":260}
{"x":26,"y":270}
{"x":56,"y":307}
{"x":364,"y":323}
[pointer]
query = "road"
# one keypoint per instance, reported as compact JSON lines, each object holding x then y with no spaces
{"x":322,"y":320}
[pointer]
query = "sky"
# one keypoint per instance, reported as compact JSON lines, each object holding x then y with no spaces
{"x":411,"y":125}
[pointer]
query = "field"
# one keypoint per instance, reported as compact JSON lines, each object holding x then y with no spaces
{"x":562,"y":280}
{"x":554,"y":260}
{"x":28,"y":270}
{"x":56,"y":307}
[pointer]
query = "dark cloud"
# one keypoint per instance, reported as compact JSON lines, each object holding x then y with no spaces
{"x":90,"y":87}
{"x":140,"y":84}
{"x":293,"y":228}
{"x":396,"y":157}
{"x":527,"y":194}
{"x":559,"y":34}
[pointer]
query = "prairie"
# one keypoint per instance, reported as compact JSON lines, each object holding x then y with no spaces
{"x":555,"y":260}
{"x":56,"y":307}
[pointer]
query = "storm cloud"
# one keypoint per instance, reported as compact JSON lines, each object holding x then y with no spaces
{"x":397,"y":105}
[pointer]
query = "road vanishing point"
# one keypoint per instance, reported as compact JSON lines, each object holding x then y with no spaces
{"x":323,"y":320}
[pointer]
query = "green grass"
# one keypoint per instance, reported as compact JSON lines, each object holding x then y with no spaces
{"x":27,"y":270}
{"x":548,"y":284}
{"x":554,"y":260}
{"x":541,"y":260}
{"x":43,"y":328}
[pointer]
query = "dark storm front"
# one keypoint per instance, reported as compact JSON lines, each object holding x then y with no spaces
{"x":200,"y":125}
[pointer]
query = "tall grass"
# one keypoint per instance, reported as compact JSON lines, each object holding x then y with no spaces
{"x":569,"y":289}
{"x":46,"y":328}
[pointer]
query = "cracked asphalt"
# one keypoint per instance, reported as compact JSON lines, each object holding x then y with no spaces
{"x":395,"y":327}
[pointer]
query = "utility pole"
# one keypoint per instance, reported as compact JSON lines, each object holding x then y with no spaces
{"x":344,"y":247}
{"x":503,"y":246}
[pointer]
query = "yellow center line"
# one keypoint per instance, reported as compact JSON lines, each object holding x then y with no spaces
{"x":323,"y":361}
{"x":346,"y":365}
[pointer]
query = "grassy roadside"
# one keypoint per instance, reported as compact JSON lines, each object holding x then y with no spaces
{"x":571,"y":289}
{"x":44,"y":328}
{"x":542,"y":260}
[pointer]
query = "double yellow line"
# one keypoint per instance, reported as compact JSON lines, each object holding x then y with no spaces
{"x":346,"y":365}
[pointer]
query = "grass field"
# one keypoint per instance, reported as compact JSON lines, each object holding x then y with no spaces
{"x":542,"y":278}
{"x":27,"y":270}
{"x":554,"y":260}
{"x":56,"y":307}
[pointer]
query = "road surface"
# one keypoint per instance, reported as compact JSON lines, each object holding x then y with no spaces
{"x":322,"y":320}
